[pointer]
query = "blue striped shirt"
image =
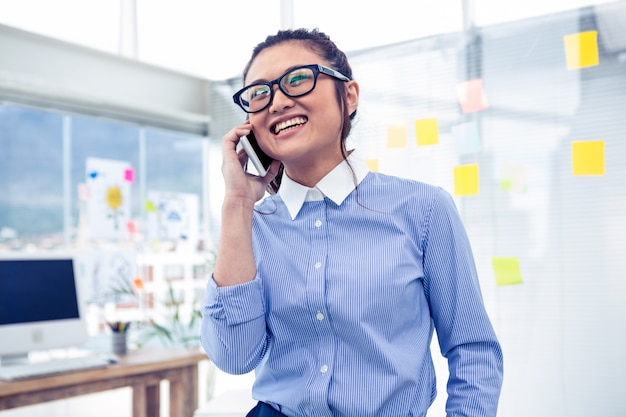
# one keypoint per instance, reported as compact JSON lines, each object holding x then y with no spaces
{"x":350,"y":285}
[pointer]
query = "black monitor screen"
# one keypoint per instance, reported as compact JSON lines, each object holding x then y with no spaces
{"x":34,"y":290}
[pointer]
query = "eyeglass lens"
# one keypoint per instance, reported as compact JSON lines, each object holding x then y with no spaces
{"x":294,"y":83}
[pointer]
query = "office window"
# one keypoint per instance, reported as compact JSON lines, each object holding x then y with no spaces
{"x":43,"y":172}
{"x":31,"y":177}
{"x":174,"y":162}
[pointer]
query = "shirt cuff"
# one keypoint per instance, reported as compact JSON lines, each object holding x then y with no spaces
{"x":235,"y":304}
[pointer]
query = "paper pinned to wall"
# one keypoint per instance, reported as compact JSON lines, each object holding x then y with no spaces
{"x":396,"y":136}
{"x":102,"y":271}
{"x":514,"y":177}
{"x":581,"y":50}
{"x":426,"y":132}
{"x":173,"y":217}
{"x":507,"y":271}
{"x":466,"y":179}
{"x":471,"y":96}
{"x":109,"y":203}
{"x":588,"y":157}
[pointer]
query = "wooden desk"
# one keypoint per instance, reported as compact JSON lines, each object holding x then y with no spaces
{"x":143,"y":370}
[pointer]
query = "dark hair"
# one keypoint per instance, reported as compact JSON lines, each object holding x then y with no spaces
{"x":319,"y":43}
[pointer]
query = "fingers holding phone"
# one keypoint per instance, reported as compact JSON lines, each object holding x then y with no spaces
{"x":239,"y":181}
{"x":259,"y":159}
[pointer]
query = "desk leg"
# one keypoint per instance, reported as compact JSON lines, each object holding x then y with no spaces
{"x":146,"y":400}
{"x":184,"y":393}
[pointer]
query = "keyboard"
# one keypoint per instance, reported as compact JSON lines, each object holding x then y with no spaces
{"x":54,"y":367}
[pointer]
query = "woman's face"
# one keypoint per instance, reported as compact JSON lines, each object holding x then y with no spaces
{"x":302,"y":132}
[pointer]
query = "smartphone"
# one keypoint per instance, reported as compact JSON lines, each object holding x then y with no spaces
{"x":260,"y":160}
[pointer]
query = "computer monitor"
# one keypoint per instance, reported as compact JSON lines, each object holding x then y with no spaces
{"x":40,"y":304}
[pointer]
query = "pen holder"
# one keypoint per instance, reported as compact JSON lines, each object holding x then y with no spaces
{"x":119,"y":343}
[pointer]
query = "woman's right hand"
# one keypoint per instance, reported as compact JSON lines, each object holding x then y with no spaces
{"x":238,"y":183}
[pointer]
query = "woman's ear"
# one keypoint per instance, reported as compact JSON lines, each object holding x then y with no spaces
{"x":352,"y":96}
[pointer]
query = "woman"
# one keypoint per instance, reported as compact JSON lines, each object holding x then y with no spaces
{"x":331,"y":288}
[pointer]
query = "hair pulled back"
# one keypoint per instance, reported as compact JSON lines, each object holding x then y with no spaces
{"x":326,"y":49}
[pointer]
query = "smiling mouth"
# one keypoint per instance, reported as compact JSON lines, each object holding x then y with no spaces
{"x":289,"y":124}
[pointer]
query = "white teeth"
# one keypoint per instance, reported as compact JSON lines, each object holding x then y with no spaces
{"x":289,"y":123}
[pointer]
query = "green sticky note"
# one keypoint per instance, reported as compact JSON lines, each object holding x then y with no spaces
{"x":507,"y":271}
{"x":150,"y":207}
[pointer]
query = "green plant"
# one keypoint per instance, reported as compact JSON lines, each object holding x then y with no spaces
{"x":176,"y":329}
{"x":173,"y":325}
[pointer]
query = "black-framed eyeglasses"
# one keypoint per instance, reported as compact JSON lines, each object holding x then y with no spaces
{"x":294,"y":83}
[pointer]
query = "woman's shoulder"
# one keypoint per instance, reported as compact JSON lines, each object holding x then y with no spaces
{"x":401,"y":185}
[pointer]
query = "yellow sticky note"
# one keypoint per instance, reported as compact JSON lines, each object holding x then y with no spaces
{"x":581,"y":50}
{"x":372,"y":164}
{"x":396,"y":136}
{"x":588,"y":157}
{"x":466,"y":179}
{"x":427,"y":132}
{"x":507,"y":271}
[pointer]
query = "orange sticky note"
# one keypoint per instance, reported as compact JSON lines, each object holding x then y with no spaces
{"x":466,"y":179}
{"x":427,"y":132}
{"x":471,"y":96}
{"x":507,"y":271}
{"x":581,"y":50}
{"x":588,"y":157}
{"x":396,"y":136}
{"x":372,"y":164}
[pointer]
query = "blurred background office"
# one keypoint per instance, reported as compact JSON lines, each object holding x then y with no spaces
{"x":515,"y":107}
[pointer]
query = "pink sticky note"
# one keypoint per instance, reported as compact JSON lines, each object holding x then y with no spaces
{"x":129,"y":175}
{"x":83,"y":192}
{"x":471,"y":95}
{"x":131,"y":227}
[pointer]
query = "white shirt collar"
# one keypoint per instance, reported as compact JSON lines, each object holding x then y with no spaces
{"x":336,"y":185}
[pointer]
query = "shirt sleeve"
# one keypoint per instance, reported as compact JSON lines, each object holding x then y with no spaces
{"x":466,"y":336}
{"x":233,"y":326}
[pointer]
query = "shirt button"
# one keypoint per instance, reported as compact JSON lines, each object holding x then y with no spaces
{"x":324,"y":369}
{"x":319,"y":316}
{"x":318,"y":265}
{"x":318,"y":223}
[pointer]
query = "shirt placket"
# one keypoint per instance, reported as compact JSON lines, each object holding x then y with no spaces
{"x":316,"y":287}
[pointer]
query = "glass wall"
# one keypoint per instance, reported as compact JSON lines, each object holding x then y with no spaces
{"x":530,"y":140}
{"x":523,"y":123}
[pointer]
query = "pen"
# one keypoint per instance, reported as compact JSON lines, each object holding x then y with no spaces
{"x":119,"y":327}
